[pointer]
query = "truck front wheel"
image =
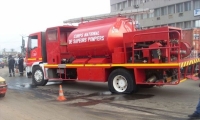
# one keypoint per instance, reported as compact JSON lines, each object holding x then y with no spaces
{"x":38,"y":76}
{"x":121,"y":81}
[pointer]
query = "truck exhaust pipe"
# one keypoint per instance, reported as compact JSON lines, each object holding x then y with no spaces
{"x":152,"y":79}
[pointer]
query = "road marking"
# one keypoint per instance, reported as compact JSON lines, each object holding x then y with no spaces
{"x":187,"y":78}
{"x":183,"y":80}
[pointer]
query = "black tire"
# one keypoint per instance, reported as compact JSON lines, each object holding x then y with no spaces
{"x":2,"y":95}
{"x":125,"y":75}
{"x":41,"y":81}
{"x":2,"y":66}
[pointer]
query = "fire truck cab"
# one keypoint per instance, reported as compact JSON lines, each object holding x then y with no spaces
{"x":35,"y":52}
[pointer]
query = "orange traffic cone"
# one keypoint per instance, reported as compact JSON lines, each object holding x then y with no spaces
{"x":61,"y":96}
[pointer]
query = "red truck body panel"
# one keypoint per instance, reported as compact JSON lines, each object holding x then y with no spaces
{"x":98,"y":38}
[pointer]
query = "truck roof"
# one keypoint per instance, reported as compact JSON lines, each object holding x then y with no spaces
{"x":64,"y":26}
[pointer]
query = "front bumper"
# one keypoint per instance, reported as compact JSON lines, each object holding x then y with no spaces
{"x":3,"y":89}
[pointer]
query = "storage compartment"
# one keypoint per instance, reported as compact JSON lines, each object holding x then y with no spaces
{"x":91,"y":74}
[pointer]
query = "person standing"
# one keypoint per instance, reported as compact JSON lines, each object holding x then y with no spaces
{"x":196,"y":113}
{"x":21,"y":65}
{"x":16,"y":62}
{"x":11,"y":64}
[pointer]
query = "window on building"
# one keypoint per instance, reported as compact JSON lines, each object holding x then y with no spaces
{"x":113,"y":7}
{"x":196,"y":4}
{"x":187,"y":6}
{"x":132,"y":17}
{"x":136,"y":17}
{"x":187,"y":24}
{"x":119,"y":6}
{"x":147,"y":15}
{"x":136,"y":2}
{"x":130,"y":3}
{"x":179,"y":7}
{"x":124,"y":4}
{"x":142,"y":1}
{"x":141,"y":16}
{"x":172,"y":24}
{"x":171,"y":9}
{"x":164,"y":11}
{"x":151,"y":15}
{"x":144,"y":16}
{"x":197,"y":23}
{"x":179,"y":24}
{"x":157,"y":12}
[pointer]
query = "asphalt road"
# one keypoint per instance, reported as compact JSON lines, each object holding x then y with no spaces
{"x":93,"y":101}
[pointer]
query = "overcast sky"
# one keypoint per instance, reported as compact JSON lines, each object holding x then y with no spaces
{"x":22,"y":17}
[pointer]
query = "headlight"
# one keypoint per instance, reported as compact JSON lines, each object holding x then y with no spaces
{"x":2,"y":82}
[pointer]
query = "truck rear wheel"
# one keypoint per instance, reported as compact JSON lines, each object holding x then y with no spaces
{"x":38,"y":76}
{"x":121,"y":81}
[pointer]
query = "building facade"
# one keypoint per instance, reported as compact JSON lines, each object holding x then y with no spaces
{"x":178,"y":13}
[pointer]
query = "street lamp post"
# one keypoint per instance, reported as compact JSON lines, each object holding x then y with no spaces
{"x":23,"y":46}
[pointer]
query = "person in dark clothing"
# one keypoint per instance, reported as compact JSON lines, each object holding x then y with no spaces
{"x":11,"y":64}
{"x":196,"y":113}
{"x":21,"y":64}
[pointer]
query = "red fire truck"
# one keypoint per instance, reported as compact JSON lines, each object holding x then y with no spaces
{"x":110,"y":50}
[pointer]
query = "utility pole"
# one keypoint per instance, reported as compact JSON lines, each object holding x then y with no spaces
{"x":23,"y":46}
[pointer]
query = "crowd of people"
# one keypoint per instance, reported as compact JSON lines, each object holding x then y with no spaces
{"x":17,"y":65}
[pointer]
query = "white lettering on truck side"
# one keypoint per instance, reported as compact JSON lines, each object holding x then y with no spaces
{"x":87,"y":37}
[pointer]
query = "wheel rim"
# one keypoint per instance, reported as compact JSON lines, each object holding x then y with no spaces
{"x":38,"y":75}
{"x":120,"y":83}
